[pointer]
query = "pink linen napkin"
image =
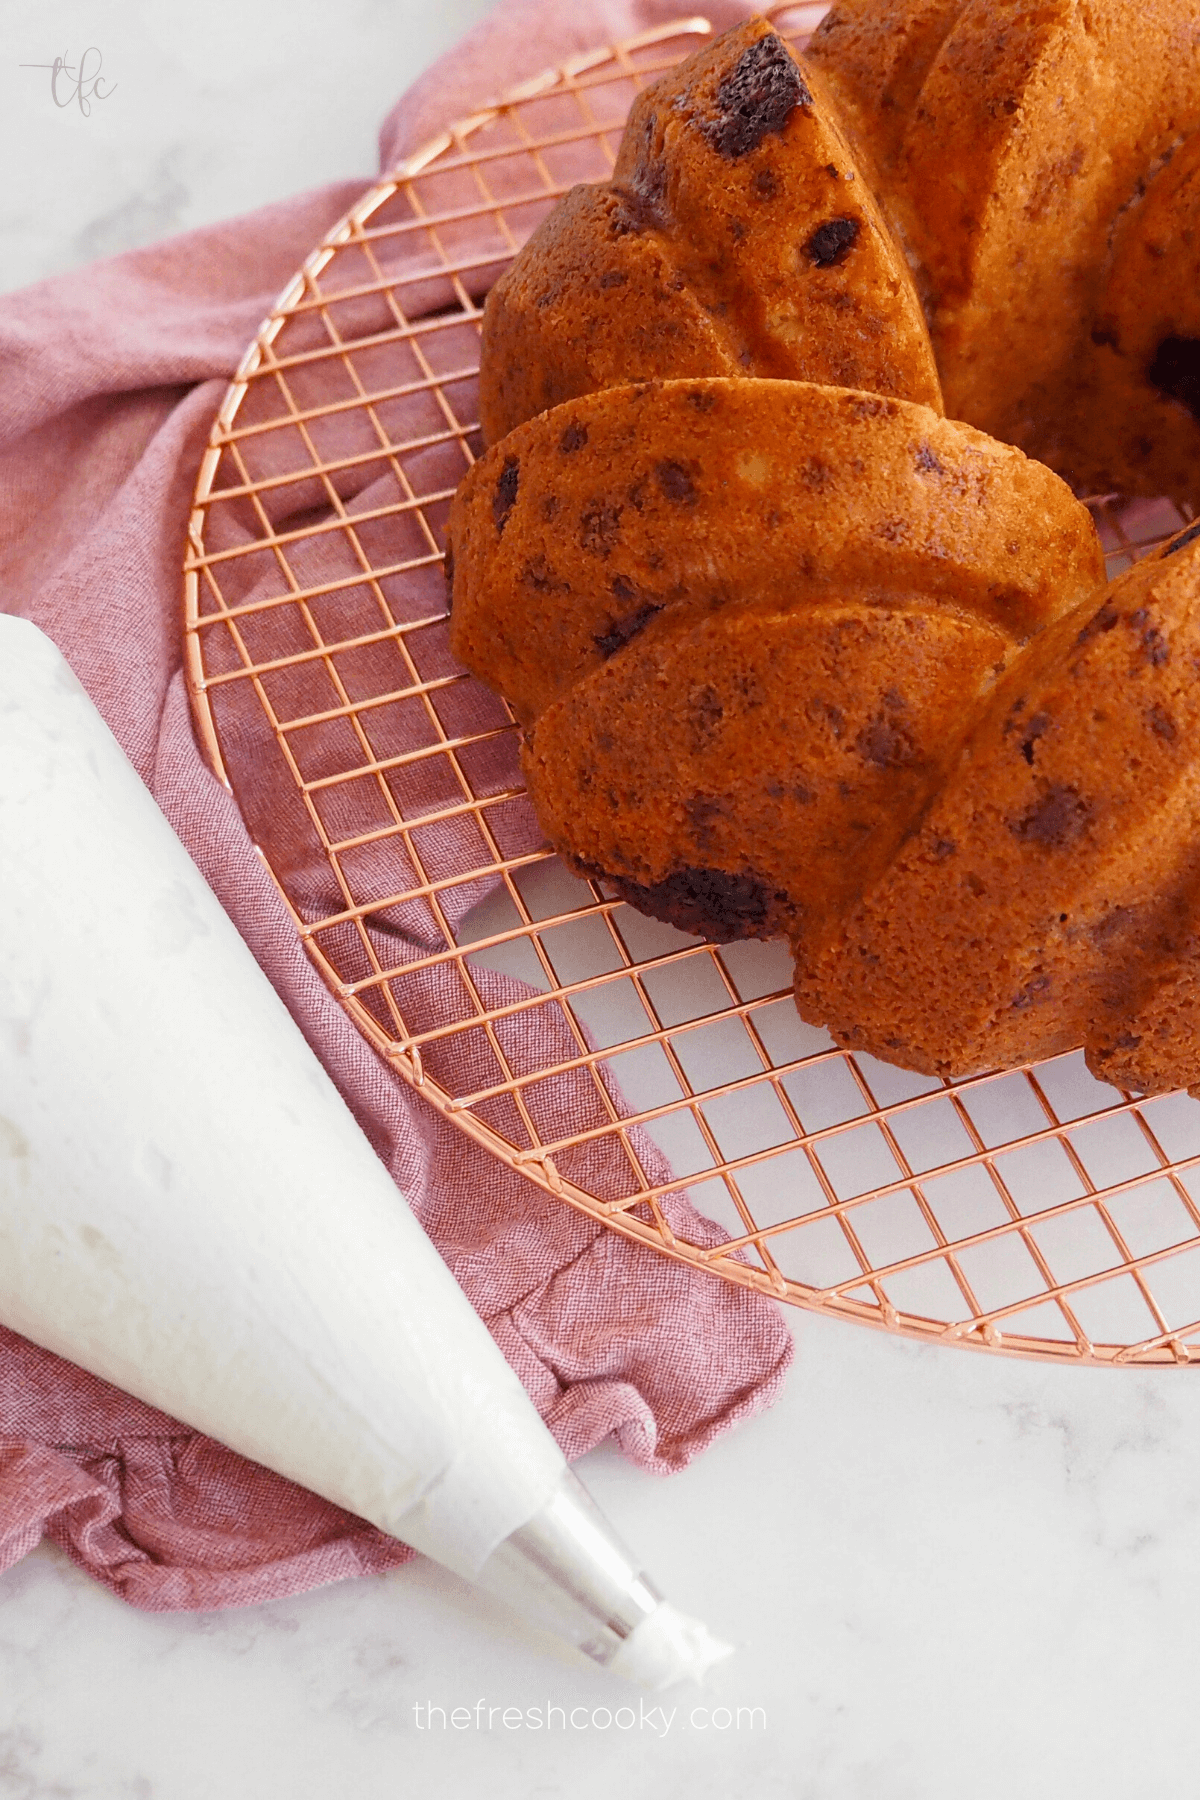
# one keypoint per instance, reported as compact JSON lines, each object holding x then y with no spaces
{"x":111,"y":378}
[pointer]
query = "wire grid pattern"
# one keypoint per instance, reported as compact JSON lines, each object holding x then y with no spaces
{"x":610,"y":1058}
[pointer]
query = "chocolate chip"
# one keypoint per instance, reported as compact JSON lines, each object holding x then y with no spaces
{"x":1185,"y":537}
{"x":942,"y":848}
{"x":1175,"y":371}
{"x":612,"y":278}
{"x":539,"y":575}
{"x":702,"y":811}
{"x":869,"y":406}
{"x":702,"y":399}
{"x":710,"y":903}
{"x":705,"y":710}
{"x":599,"y":528}
{"x":885,"y":743}
{"x":573,"y":438}
{"x":832,"y":242}
{"x":649,"y":186}
{"x":648,"y":180}
{"x":803,"y":796}
{"x":1154,"y":646}
{"x":505,"y":496}
{"x":621,"y":631}
{"x":821,"y":712}
{"x":1036,"y":989}
{"x":1117,"y":919}
{"x":1036,"y":728}
{"x":765,"y":184}
{"x":758,"y":96}
{"x":1162,"y":724}
{"x":1104,"y":620}
{"x":676,"y":483}
{"x":628,"y":214}
{"x":1060,"y":817}
{"x":927,"y":463}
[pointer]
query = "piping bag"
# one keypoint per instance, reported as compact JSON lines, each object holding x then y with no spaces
{"x":189,"y":1211}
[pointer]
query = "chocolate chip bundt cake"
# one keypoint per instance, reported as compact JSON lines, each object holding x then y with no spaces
{"x":744,"y":624}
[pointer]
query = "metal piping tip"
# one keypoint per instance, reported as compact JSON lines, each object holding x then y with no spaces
{"x":567,"y":1571}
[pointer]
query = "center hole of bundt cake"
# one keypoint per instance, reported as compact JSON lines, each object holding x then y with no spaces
{"x":1176,"y":371}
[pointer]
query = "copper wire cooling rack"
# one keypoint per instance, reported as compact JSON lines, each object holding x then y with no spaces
{"x":621,"y":1066}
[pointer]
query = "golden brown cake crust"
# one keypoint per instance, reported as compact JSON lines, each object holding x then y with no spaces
{"x":875,"y":59}
{"x":1134,"y":425}
{"x":568,"y":538}
{"x":1023,"y":169}
{"x":737,"y":236}
{"x":783,"y":750}
{"x":1005,"y":161}
{"x":745,"y":623}
{"x":1057,"y":861}
{"x":602,"y":302}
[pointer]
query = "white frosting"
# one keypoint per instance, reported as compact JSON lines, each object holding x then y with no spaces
{"x":187,"y":1207}
{"x":666,"y":1648}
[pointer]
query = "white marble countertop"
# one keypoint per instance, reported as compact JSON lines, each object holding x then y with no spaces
{"x":948,"y":1573}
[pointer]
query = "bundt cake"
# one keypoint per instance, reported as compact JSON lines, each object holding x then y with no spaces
{"x":792,"y":651}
